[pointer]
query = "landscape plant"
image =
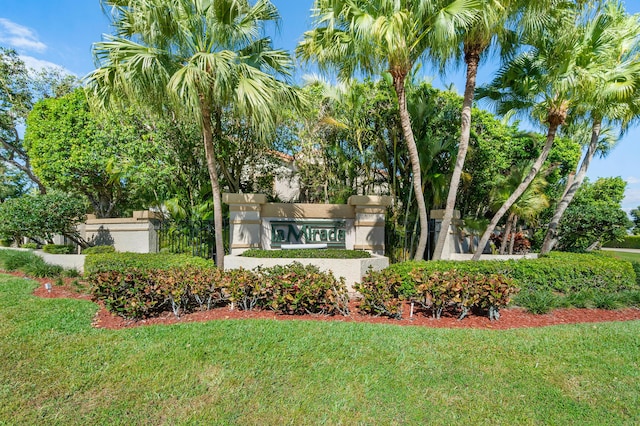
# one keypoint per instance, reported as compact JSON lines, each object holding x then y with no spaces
{"x":594,"y":216}
{"x":41,"y":216}
{"x":385,"y":36}
{"x":382,"y":293}
{"x":308,"y":253}
{"x":134,"y":291}
{"x":548,"y":80}
{"x":610,"y":97}
{"x":461,"y":292}
{"x":201,"y":58}
{"x":59,"y":248}
{"x":258,"y":371}
{"x":629,"y":241}
{"x":28,"y":263}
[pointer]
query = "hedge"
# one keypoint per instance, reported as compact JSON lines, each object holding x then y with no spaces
{"x":630,"y":241}
{"x":104,"y":262}
{"x":558,"y":272}
{"x":58,"y":249}
{"x":99,"y":250}
{"x":308,"y":254}
{"x":560,"y":279}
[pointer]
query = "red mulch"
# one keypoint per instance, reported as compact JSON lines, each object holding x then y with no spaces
{"x":509,"y":318}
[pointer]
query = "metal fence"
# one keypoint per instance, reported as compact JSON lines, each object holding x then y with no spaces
{"x":196,"y":238}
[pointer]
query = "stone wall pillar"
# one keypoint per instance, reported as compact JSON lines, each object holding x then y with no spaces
{"x":245,"y":220}
{"x":369,"y":221}
{"x":451,"y":243}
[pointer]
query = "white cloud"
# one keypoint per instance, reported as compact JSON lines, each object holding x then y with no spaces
{"x":39,"y":64}
{"x":632,"y":180}
{"x":20,"y":37}
{"x":631,"y":199}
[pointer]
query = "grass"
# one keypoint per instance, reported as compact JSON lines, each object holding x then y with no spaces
{"x":57,"y":369}
{"x":629,"y":257}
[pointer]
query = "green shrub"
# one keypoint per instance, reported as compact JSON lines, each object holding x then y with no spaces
{"x":558,"y":272}
{"x":136,"y":293}
{"x":630,"y":241}
{"x":14,"y":260}
{"x":636,"y":268}
{"x":58,"y":249}
{"x":41,"y":269}
{"x":630,"y":298}
{"x":6,"y":242}
{"x":461,"y":292}
{"x":382,"y":293}
{"x":29,"y":263}
{"x":105,"y":262}
{"x":537,"y":302}
{"x":99,"y":250}
{"x":300,"y":289}
{"x":32,"y":246}
{"x":71,"y":273}
{"x":580,"y":299}
{"x":607,"y":301}
{"x":308,"y":254}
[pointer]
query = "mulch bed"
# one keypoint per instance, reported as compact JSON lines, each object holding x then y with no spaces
{"x":509,"y":318}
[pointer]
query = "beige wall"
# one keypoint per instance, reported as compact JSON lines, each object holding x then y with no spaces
{"x":137,"y":234}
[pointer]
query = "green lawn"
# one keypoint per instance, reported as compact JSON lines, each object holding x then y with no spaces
{"x":630,"y":257}
{"x":56,"y":369}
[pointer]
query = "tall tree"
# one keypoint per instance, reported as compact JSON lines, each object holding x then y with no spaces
{"x":635,"y":216}
{"x":595,"y":216}
{"x":527,"y":207}
{"x":545,"y":81}
{"x":16,"y":99}
{"x":206,"y":57}
{"x":385,"y":35}
{"x":495,"y":25}
{"x":612,"y":97}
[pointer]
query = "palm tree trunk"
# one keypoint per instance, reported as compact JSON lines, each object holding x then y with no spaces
{"x":472,"y":58}
{"x":207,"y":137}
{"x":551,"y":134}
{"x":505,"y":234}
{"x":405,"y":120}
{"x":514,"y":229}
{"x":551,"y":238}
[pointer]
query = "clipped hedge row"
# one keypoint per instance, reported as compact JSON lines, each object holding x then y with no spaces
{"x":308,"y":254}
{"x":99,"y":250}
{"x":630,"y":241}
{"x":106,"y":262}
{"x":58,"y":249}
{"x":559,"y":272}
{"x":182,"y":284}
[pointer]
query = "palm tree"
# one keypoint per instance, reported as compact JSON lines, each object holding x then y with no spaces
{"x":546,"y":81}
{"x":205,"y":57}
{"x":532,"y":202}
{"x":613,"y":94}
{"x":495,"y":25}
{"x":385,"y":35}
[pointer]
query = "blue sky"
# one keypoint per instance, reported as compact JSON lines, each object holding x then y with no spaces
{"x":61,"y":33}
